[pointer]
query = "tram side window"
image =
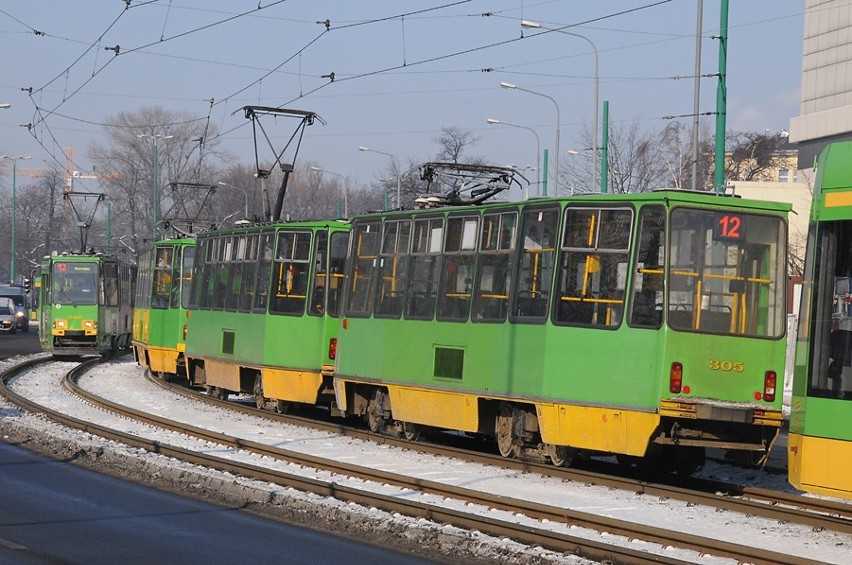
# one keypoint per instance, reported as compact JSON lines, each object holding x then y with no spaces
{"x":537,"y":247}
{"x":392,"y":269}
{"x":235,"y":272}
{"x":264,"y":270}
{"x":593,"y":267}
{"x":454,"y":297}
{"x":221,"y":272}
{"x":185,"y":276}
{"x":365,"y":243}
{"x":831,"y":355}
{"x":142,"y":295}
{"x":424,"y":267}
{"x":646,"y":309}
{"x":110,"y":282}
{"x":163,"y":277}
{"x":290,"y":273}
{"x":497,"y":239}
{"x":320,"y":282}
{"x":337,"y":266}
{"x":248,"y":274}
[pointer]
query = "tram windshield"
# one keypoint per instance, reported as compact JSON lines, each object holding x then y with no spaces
{"x":727,"y":273}
{"x":829,"y":318}
{"x":75,"y":283}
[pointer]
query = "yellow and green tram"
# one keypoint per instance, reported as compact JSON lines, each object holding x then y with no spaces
{"x":644,"y":325}
{"x":85,"y":304}
{"x":820,"y":439}
{"x":159,"y":311}
{"x":263,"y":311}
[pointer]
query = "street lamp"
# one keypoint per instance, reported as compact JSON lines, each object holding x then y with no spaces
{"x":156,"y":159}
{"x":558,"y":121}
{"x":536,"y":25}
{"x":495,"y":121}
{"x":238,"y":188}
{"x":345,"y":188}
{"x":398,"y":172}
{"x":14,"y":209}
{"x":5,"y":106}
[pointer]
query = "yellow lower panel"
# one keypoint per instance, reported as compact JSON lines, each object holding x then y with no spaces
{"x":163,"y":360}
{"x":443,"y":409}
{"x":222,"y":375}
{"x":821,"y":466}
{"x":601,"y":429}
{"x":292,"y":386}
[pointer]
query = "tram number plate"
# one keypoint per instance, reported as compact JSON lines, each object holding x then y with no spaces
{"x":719,"y":365}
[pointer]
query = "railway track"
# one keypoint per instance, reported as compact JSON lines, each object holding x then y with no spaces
{"x":502,"y":527}
{"x":817,"y":513}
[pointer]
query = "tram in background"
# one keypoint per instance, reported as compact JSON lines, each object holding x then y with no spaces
{"x":646,"y":325}
{"x":159,"y":310}
{"x":820,"y":438}
{"x":85,"y":304}
{"x":263,"y":311}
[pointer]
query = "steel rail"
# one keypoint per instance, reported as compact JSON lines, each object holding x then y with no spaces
{"x":816,"y":513}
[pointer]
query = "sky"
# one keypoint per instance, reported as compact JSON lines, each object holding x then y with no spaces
{"x":402,"y":71}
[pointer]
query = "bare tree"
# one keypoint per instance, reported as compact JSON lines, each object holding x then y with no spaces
{"x":454,"y":141}
{"x":753,"y":156}
{"x":125,"y":166}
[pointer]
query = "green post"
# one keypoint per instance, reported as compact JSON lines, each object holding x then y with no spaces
{"x":721,"y":101}
{"x":109,"y":229}
{"x":156,"y":195}
{"x":14,"y":218}
{"x":544,"y":173}
{"x":386,"y":201}
{"x":605,"y":148}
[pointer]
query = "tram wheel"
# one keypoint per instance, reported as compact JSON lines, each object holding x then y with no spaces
{"x":282,"y":407}
{"x":216,"y":392}
{"x":560,"y":455}
{"x":503,"y":431}
{"x":375,"y":420}
{"x":410,"y":432}
{"x":257,"y":390}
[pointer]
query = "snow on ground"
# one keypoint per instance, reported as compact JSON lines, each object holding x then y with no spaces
{"x":123,"y":382}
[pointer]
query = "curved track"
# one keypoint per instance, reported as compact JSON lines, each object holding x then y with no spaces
{"x":393,"y":503}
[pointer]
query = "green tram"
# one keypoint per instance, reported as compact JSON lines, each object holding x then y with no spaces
{"x":644,"y":325}
{"x":159,"y":311}
{"x":263,"y":316}
{"x":820,"y":440}
{"x":85,"y":304}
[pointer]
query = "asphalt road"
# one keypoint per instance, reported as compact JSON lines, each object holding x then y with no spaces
{"x":54,"y":512}
{"x":19,"y":343}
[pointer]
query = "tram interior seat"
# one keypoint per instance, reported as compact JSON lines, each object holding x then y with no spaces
{"x":532,"y":306}
{"x":576,"y":312}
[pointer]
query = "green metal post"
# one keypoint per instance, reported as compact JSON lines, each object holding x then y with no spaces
{"x":544,"y":173}
{"x":156,"y":195}
{"x":721,"y":101}
{"x":109,"y":229}
{"x":605,"y":148}
{"x":14,"y":217}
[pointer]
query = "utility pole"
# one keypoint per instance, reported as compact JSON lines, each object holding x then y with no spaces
{"x":721,"y":101}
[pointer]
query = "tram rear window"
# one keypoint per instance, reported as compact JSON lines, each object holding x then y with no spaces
{"x":727,"y":273}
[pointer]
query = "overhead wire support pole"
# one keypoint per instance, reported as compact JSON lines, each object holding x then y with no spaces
{"x":721,"y":101}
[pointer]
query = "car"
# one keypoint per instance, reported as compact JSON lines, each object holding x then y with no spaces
{"x":8,"y":316}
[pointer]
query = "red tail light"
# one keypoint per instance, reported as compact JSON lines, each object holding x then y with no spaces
{"x":185,"y":327}
{"x":676,"y":378}
{"x":769,"y":379}
{"x":332,"y":348}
